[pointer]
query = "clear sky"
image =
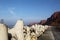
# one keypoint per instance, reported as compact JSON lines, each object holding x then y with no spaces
{"x":28,"y":10}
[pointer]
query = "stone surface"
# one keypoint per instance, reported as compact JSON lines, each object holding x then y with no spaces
{"x":47,"y":35}
{"x":3,"y":32}
{"x":17,"y":31}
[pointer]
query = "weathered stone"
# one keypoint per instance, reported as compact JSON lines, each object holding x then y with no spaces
{"x":17,"y":30}
{"x":3,"y":32}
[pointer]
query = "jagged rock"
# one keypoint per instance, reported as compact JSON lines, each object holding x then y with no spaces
{"x":17,"y":31}
{"x":54,"y":20}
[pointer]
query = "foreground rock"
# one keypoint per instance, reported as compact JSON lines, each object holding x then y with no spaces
{"x":3,"y":32}
{"x":21,"y":32}
{"x":17,"y":31}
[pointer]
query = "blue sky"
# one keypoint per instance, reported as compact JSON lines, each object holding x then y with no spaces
{"x":28,"y":10}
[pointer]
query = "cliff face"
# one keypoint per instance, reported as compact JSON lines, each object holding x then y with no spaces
{"x":54,"y":20}
{"x":42,"y":22}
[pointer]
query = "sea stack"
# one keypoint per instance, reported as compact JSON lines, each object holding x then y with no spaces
{"x":3,"y":32}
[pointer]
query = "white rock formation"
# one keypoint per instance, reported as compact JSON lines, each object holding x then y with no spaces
{"x":3,"y":32}
{"x":28,"y":34}
{"x":21,"y":32}
{"x":39,"y":29}
{"x":18,"y":30}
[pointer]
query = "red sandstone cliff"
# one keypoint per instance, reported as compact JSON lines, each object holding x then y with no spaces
{"x":54,"y":20}
{"x":42,"y":22}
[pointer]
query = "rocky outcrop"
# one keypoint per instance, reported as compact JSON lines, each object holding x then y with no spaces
{"x":3,"y":32}
{"x":21,"y":32}
{"x":17,"y":31}
{"x":54,"y":20}
{"x":42,"y":22}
